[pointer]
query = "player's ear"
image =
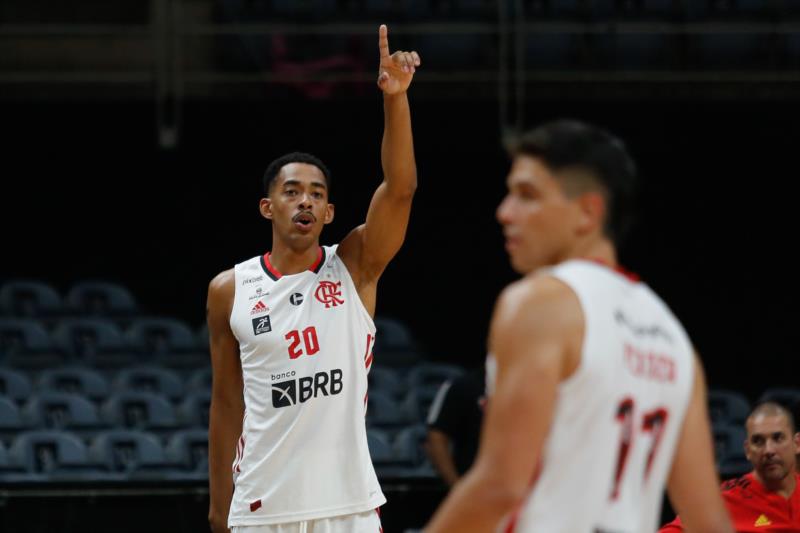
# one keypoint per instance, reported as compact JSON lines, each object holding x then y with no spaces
{"x":797,"y":443}
{"x":746,"y":450}
{"x":592,"y":210}
{"x":265,"y":207}
{"x":329,"y":214}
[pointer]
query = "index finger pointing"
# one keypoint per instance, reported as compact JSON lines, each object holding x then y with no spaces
{"x":383,"y":41}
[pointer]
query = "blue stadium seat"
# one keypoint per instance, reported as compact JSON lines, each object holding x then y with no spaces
{"x":426,"y":375}
{"x":11,"y":421}
{"x":380,"y":450}
{"x":727,"y":407}
{"x":139,"y":410}
{"x":29,"y":299}
{"x":134,"y":454}
{"x":95,"y":341}
{"x":385,"y":380}
{"x":392,"y":336}
{"x":25,"y":343}
{"x":789,"y":397}
{"x":78,"y":380}
{"x":729,"y":440}
{"x":52,"y":454}
{"x":202,"y":337}
{"x":60,"y":410}
{"x":200,"y":380}
{"x":188,"y":449}
{"x":409,"y":448}
{"x":14,"y":385}
{"x":193,"y":410}
{"x":101,"y":299}
{"x":150,"y":379}
{"x":161,"y":335}
{"x":383,"y":411}
{"x":418,"y":402}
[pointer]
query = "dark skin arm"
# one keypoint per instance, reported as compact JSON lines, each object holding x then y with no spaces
{"x":227,"y":402}
{"x":437,"y":446}
{"x":367,"y":250}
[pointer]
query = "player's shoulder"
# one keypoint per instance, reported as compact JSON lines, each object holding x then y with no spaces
{"x":737,"y":485}
{"x":222,"y":283}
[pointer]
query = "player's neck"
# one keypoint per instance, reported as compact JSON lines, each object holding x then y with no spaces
{"x":600,"y":250}
{"x":287,"y":260}
{"x":785,"y":487}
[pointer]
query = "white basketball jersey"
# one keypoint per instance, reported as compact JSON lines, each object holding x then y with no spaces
{"x":306,"y":348}
{"x":618,"y":417}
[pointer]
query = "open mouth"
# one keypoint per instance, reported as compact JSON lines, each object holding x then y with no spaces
{"x":303,"y":221}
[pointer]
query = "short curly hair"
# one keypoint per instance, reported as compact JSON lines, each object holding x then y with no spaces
{"x":275,"y":167}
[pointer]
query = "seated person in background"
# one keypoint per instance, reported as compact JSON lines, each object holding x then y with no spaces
{"x":454,"y":425}
{"x":766,"y":499}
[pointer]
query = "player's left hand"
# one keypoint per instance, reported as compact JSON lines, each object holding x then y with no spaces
{"x":396,"y":70}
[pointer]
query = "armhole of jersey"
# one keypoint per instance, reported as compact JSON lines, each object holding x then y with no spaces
{"x":582,"y":363}
{"x":330,"y":253}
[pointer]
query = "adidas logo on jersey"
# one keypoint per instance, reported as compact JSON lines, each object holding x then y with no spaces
{"x":762,"y":521}
{"x":259,"y":308}
{"x":295,"y":391}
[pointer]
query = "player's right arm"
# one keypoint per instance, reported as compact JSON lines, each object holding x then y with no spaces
{"x":227,"y":402}
{"x":693,"y":485}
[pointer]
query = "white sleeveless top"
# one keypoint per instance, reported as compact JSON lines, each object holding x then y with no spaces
{"x":618,"y":417}
{"x":306,"y":348}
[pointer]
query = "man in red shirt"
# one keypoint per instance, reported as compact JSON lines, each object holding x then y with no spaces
{"x":767,"y":499}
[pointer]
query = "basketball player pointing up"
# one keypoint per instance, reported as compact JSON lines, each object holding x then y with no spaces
{"x":596,"y":399}
{"x":291,"y":337}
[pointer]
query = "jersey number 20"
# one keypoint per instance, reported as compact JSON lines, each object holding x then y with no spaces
{"x":309,"y":342}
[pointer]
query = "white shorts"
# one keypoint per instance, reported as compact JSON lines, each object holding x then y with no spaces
{"x":367,"y":522}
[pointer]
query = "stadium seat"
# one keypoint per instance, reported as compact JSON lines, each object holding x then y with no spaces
{"x":418,"y":401}
{"x":193,"y":410}
{"x":383,"y":411}
{"x":93,"y":341}
{"x":379,"y":448}
{"x":150,"y":379}
{"x":101,"y":299}
{"x":728,"y":441}
{"x":385,"y":380}
{"x":61,"y":410}
{"x":392,"y":336}
{"x":139,"y":410}
{"x":188,"y":449}
{"x":789,"y":397}
{"x":426,"y":375}
{"x":54,"y":454}
{"x":170,"y":341}
{"x":134,"y":454}
{"x":200,"y":380}
{"x":78,"y":380}
{"x":14,"y":385}
{"x":11,"y":421}
{"x":29,"y":299}
{"x":202,"y":337}
{"x":409,"y":448}
{"x":25,"y":343}
{"x":726,"y":406}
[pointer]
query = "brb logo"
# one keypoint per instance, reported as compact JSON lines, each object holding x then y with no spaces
{"x":329,"y":293}
{"x":295,"y":391}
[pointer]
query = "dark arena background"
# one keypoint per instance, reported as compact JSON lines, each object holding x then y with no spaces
{"x":135,"y":136}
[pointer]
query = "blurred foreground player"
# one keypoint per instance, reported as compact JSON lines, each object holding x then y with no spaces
{"x":766,"y":499}
{"x":596,"y":398}
{"x":291,"y":345}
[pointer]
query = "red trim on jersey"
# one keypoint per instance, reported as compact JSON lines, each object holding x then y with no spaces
{"x":380,"y":526}
{"x":255,"y":506}
{"x":276,"y":273}
{"x":619,"y":269}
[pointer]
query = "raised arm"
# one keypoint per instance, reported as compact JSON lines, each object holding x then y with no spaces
{"x":693,"y":485}
{"x":227,"y":403}
{"x":529,"y":338}
{"x":368,"y":249}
